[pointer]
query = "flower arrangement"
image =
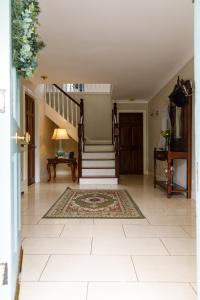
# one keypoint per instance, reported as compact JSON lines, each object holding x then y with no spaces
{"x":26,"y":42}
{"x":166,"y":134}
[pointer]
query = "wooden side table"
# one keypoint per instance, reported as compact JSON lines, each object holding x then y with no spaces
{"x":170,"y":186}
{"x":71,"y":162}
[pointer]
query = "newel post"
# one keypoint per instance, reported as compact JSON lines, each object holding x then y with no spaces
{"x":116,"y":137}
{"x":82,"y":118}
{"x":79,"y":150}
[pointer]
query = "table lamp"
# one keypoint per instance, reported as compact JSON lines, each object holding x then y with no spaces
{"x":60,"y":134}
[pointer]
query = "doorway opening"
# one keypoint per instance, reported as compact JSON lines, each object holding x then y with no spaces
{"x":30,"y":128}
{"x":131,"y":143}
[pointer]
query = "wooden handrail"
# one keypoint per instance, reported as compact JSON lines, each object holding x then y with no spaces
{"x":80,"y":139}
{"x":66,"y":94}
{"x":115,"y":138}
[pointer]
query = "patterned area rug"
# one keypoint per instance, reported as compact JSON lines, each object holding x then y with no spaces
{"x":94,"y":204}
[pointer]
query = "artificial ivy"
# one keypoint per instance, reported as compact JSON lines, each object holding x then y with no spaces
{"x":26,"y":42}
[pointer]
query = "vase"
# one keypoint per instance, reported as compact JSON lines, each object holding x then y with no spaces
{"x":167,"y":141}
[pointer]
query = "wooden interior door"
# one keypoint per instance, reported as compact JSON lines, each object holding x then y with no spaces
{"x":131,"y":143}
{"x":30,"y":128}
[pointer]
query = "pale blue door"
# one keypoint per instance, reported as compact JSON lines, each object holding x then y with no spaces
{"x":10,"y":223}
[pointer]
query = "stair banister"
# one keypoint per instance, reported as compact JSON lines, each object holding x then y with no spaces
{"x":80,"y":139}
{"x":115,"y":138}
{"x":66,"y":94}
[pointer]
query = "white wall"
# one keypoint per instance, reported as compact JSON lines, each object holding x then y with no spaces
{"x":98,"y":115}
{"x":156,"y":106}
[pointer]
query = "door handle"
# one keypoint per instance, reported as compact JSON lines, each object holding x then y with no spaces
{"x":23,"y":140}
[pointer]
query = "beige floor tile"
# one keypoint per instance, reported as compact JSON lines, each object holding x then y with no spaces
{"x":194,"y":286}
{"x":92,"y":231}
{"x":134,"y":246}
{"x":41,"y":230}
{"x":166,"y":219}
{"x":180,"y":246}
{"x":36,"y":209}
{"x":154,"y":231}
{"x":57,"y":246}
{"x":171,"y":220}
{"x":140,"y":291}
{"x":89,"y":268}
{"x":165,"y":268}
{"x":52,"y":291}
{"x":30,"y":220}
{"x":191,"y":230}
{"x":32,"y":267}
{"x":67,"y":221}
{"x":120,"y":221}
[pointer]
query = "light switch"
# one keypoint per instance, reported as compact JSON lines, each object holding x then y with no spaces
{"x":2,"y":100}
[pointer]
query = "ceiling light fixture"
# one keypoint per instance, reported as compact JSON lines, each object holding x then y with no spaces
{"x":44,"y":77}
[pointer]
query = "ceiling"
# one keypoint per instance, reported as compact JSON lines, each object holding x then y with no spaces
{"x":135,"y":45}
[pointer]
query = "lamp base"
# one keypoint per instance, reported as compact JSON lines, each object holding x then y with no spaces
{"x":60,"y":153}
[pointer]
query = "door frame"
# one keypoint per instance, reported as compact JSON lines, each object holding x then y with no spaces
{"x":27,"y":91}
{"x":197,"y":132}
{"x":145,"y":134}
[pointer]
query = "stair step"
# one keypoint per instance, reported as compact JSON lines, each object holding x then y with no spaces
{"x":98,"y":155}
{"x":98,"y":180}
{"x":98,"y":163}
{"x":98,"y":172}
{"x":98,"y":148}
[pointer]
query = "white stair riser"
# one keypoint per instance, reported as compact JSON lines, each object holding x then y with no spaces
{"x":98,"y":164}
{"x":98,"y":148}
{"x":98,"y":181}
{"x":98,"y":172}
{"x":98,"y":155}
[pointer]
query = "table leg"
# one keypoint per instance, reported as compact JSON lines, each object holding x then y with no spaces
{"x":73,"y":171}
{"x":169,"y":186}
{"x":54,"y":171}
{"x":49,"y":171}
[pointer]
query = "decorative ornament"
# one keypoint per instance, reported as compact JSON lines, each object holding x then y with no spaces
{"x":166,"y":134}
{"x":26,"y":42}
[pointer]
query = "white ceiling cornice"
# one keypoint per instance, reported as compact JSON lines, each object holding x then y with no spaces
{"x":126,"y":101}
{"x":170,"y":77}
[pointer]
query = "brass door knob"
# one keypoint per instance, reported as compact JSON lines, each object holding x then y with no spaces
{"x":23,"y":140}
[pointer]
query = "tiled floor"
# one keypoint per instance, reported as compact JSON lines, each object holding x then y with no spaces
{"x":96,"y":259}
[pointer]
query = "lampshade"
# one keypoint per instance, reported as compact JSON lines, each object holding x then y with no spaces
{"x":60,"y":134}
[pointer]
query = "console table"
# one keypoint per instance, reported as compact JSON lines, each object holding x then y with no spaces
{"x":71,"y":162}
{"x":169,"y":185}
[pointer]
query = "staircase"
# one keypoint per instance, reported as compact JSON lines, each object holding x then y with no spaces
{"x":98,"y":164}
{"x":97,"y":160}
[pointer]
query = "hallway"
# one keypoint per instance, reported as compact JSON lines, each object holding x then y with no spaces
{"x":98,"y":259}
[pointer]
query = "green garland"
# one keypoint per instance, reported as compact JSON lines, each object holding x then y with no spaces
{"x":26,"y":42}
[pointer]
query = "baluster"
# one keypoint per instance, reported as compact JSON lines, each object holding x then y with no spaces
{"x":76,"y":116}
{"x":54,"y":98}
{"x":59,"y":102}
{"x":63,"y":112}
{"x":52,"y":95}
{"x":67,"y":109}
{"x":72,"y":112}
